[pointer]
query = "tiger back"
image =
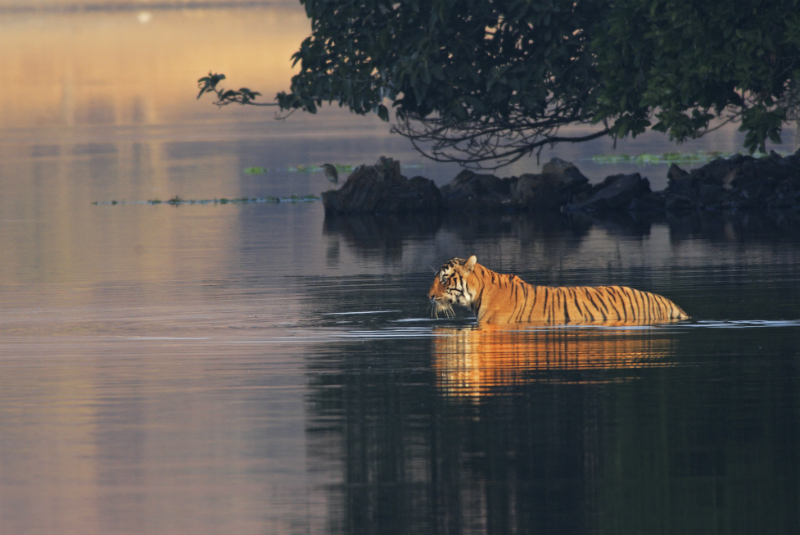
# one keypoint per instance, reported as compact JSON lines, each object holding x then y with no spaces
{"x":498,"y":298}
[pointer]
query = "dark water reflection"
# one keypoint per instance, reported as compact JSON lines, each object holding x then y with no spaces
{"x":383,"y":236}
{"x":673,"y":431}
{"x":686,"y":428}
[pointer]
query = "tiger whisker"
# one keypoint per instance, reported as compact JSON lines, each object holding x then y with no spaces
{"x":445,"y":308}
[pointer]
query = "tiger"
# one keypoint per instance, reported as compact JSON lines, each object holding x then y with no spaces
{"x":501,"y":299}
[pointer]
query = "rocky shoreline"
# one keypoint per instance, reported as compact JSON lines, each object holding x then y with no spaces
{"x":732,"y":184}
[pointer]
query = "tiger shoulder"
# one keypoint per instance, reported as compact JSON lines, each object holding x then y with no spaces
{"x":501,"y":298}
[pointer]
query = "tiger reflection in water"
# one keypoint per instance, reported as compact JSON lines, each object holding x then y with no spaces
{"x":477,"y":361}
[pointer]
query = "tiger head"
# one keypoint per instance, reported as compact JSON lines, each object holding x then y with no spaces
{"x":450,"y":286}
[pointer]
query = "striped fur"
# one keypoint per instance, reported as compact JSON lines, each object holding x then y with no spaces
{"x":496,"y":298}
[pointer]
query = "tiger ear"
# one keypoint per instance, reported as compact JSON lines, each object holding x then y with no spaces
{"x":469,"y":264}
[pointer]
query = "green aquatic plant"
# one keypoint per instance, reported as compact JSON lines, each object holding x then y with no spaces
{"x":175,"y":201}
{"x":698,"y":157}
{"x":341,"y":168}
{"x":647,"y":159}
{"x":306,"y":168}
{"x":608,"y":158}
{"x":255,"y":170}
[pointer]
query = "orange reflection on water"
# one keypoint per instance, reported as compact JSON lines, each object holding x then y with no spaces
{"x":138,"y":66}
{"x":478,"y":361}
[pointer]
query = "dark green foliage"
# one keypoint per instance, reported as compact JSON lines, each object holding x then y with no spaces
{"x":469,"y":74}
{"x":208,"y":84}
{"x":461,"y":59}
{"x":686,"y":63}
{"x":479,"y":81}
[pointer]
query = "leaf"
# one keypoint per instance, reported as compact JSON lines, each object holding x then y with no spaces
{"x":383,"y":113}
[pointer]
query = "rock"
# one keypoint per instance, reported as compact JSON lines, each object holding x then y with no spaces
{"x":727,"y":181}
{"x":737,"y":183}
{"x":566,"y":172}
{"x":614,"y":193}
{"x":781,"y":201}
{"x":387,"y":168}
{"x":677,"y":203}
{"x":713,"y":172}
{"x":675,"y":172}
{"x":789,"y":188}
{"x":478,"y":193}
{"x":537,"y":193}
{"x":757,"y":190}
{"x":548,"y":192}
{"x":740,"y":182}
{"x":682,"y":184}
{"x":648,"y":202}
{"x":709,"y":196}
{"x":381,"y":189}
{"x":745,"y":171}
{"x":559,"y":183}
{"x":738,"y":159}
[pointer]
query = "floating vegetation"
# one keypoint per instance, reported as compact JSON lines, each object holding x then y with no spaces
{"x":698,"y":157}
{"x":176,"y":200}
{"x":340,"y":168}
{"x":310,"y":168}
{"x":256,"y":170}
{"x":305,"y":169}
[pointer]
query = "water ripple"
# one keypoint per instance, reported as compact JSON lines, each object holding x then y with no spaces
{"x":742,"y":324}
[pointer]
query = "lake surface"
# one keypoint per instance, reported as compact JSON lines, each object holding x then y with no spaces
{"x":260,"y":368}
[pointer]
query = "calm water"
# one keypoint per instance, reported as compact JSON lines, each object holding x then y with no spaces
{"x":258,"y":368}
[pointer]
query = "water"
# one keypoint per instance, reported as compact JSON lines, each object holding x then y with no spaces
{"x":259,"y":368}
